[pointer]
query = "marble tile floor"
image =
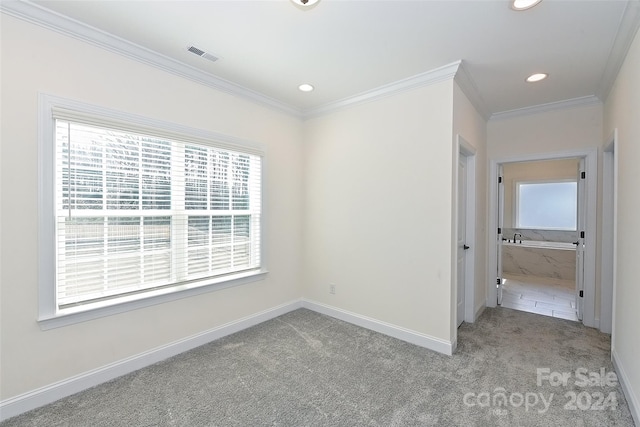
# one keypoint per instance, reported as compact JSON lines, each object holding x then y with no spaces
{"x":554,"y":298}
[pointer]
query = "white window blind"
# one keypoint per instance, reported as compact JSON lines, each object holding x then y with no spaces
{"x":136,"y":212}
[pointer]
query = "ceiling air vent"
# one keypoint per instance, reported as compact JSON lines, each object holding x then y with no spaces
{"x":202,"y":53}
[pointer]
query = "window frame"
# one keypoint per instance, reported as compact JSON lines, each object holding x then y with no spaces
{"x":49,"y":315}
{"x":516,"y":202}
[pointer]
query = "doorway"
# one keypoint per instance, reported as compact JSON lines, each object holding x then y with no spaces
{"x":609,"y":230}
{"x":573,"y":244}
{"x":541,"y":255}
{"x":464,"y":300}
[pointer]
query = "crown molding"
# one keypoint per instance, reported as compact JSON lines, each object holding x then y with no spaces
{"x":38,"y":15}
{"x":629,"y":24}
{"x":43,"y":17}
{"x":582,"y":101}
{"x":48,"y":19}
{"x":446,"y":72}
{"x":468,"y":86}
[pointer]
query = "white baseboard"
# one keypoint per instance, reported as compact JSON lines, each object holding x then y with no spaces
{"x":44,"y":395}
{"x":625,"y":382}
{"x":413,"y":337}
{"x":50,"y":393}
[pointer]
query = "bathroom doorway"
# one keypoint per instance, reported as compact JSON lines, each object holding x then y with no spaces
{"x":544,"y":214}
{"x":540,"y":211}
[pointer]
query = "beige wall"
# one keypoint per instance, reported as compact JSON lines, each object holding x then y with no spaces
{"x":548,"y":132}
{"x":469,"y":124}
{"x":622,"y":110}
{"x":36,"y":60}
{"x":378,"y":209}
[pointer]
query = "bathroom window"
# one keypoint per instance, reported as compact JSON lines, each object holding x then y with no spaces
{"x":547,"y":205}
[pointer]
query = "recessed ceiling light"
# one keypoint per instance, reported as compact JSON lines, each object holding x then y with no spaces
{"x":305,"y":4}
{"x":523,"y":4}
{"x":305,"y":87}
{"x":536,"y":77}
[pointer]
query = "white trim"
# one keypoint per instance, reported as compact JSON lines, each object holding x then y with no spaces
{"x":467,"y":150}
{"x":627,"y":29}
{"x":492,"y":230}
{"x":446,"y":72}
{"x":48,"y":315}
{"x":62,"y":24}
{"x":48,"y":321}
{"x":59,"y":23}
{"x":72,"y":109}
{"x":582,"y":101}
{"x":609,"y":231}
{"x":625,"y":383}
{"x":410,"y":336}
{"x":44,"y":395}
{"x":469,"y":88}
{"x":591,"y":160}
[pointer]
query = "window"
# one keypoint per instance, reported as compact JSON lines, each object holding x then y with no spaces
{"x":140,"y":212}
{"x":547,"y":205}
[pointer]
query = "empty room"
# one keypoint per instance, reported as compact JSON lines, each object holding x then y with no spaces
{"x":319,"y":213}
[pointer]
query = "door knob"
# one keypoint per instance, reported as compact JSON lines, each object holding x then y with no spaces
{"x":465,"y":247}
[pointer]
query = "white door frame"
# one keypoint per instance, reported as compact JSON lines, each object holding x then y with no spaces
{"x":591,"y":164}
{"x":467,"y":150}
{"x":499,"y":232}
{"x":609,"y":230}
{"x":580,"y":241}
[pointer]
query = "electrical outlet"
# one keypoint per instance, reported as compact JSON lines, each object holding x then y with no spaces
{"x":332,"y":289}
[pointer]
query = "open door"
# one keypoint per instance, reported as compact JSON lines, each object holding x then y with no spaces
{"x":462,"y":236}
{"x":580,"y":246}
{"x":500,"y":231}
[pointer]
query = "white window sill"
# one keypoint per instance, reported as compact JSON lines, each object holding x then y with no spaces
{"x":79,"y":314}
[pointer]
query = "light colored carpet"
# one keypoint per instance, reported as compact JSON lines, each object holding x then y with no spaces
{"x":306,"y":369}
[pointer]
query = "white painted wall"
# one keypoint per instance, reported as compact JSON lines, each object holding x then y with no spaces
{"x":468,"y":123}
{"x":621,"y":111}
{"x":37,"y":60}
{"x":378,"y":209}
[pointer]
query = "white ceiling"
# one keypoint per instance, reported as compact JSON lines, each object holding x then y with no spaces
{"x":347,"y":47}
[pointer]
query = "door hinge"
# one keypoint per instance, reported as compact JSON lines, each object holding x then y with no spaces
{"x":498,"y":281}
{"x":582,"y":234}
{"x":581,"y":294}
{"x":499,"y":230}
{"x":583,"y":175}
{"x":499,"y":180}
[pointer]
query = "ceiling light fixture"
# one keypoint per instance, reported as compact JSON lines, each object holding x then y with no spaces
{"x":523,"y":4}
{"x":305,"y":4}
{"x":305,"y":87}
{"x":536,"y":77}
